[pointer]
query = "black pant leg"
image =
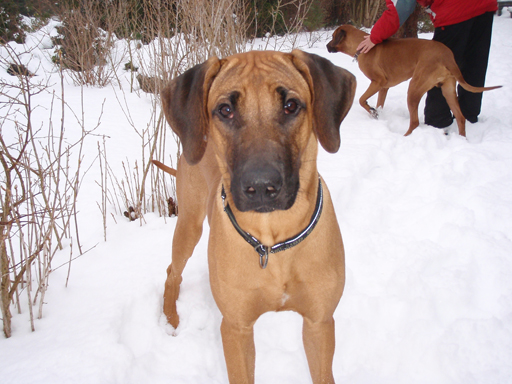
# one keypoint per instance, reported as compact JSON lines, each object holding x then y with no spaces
{"x":437,"y":111}
{"x":476,"y":58}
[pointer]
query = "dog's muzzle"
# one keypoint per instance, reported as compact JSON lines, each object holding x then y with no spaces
{"x":263,"y":186}
{"x":331,"y":48}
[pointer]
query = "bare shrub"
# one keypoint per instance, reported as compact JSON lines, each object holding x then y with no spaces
{"x":278,"y":22}
{"x":39,"y":186}
{"x":86,"y":40}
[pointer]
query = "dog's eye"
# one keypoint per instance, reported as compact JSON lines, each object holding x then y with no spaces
{"x":226,"y":111}
{"x":291,"y":107}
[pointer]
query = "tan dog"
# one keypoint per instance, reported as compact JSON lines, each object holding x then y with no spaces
{"x":249,"y":126}
{"x":429,"y":64}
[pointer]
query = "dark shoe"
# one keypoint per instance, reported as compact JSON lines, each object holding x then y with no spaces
{"x":446,"y":122}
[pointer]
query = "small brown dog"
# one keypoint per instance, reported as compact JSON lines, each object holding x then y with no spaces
{"x":429,"y":64}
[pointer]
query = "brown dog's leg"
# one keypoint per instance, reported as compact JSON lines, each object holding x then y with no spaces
{"x":186,"y":236}
{"x":450,"y":95}
{"x":372,"y":90}
{"x":382,"y":97}
{"x":413,"y":100}
{"x":418,"y":86}
{"x":192,"y":200}
{"x":239,"y":352}
{"x":318,"y":340}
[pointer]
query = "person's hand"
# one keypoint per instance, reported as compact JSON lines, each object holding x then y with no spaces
{"x":365,"y":45}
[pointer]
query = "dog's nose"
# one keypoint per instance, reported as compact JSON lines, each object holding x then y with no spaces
{"x":262,"y":185}
{"x":330,"y":48}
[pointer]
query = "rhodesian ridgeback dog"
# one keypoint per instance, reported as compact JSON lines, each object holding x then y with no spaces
{"x":250,"y":126}
{"x":427,"y":63}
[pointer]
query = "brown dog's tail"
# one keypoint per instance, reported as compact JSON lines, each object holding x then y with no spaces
{"x":454,"y":69}
{"x":165,"y":168}
{"x":470,"y":88}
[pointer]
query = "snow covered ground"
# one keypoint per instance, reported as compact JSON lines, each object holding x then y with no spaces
{"x":427,"y":226}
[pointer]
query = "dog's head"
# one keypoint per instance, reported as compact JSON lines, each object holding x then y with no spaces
{"x":339,"y":41}
{"x":261,"y":110}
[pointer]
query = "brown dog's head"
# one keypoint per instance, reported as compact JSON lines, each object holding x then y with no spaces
{"x":260,"y":109}
{"x":335,"y":45}
{"x":342,"y":43}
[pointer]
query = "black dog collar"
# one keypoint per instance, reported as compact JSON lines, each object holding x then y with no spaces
{"x":263,"y":250}
{"x":356,"y":56}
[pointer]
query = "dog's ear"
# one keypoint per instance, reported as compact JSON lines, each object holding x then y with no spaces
{"x":184,"y":102}
{"x":339,"y":36}
{"x":333,"y":89}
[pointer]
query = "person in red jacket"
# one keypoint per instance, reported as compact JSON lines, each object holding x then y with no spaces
{"x":465,"y":26}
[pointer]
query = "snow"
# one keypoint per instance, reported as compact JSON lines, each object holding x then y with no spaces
{"x":427,"y":226}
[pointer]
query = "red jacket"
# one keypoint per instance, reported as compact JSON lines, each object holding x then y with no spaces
{"x":442,"y":12}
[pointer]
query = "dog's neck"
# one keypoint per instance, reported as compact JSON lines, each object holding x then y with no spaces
{"x":352,"y":42}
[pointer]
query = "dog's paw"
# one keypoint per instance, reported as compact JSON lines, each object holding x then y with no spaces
{"x":168,"y":328}
{"x":374,"y":113}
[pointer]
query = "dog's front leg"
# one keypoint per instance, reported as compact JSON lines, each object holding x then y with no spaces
{"x":363,"y":101}
{"x":186,"y":236}
{"x":319,"y":346}
{"x":239,"y":352}
{"x":191,"y":189}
